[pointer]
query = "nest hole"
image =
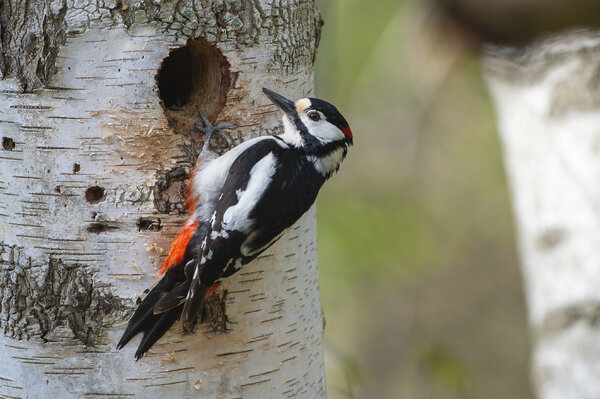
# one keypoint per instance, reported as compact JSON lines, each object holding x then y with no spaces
{"x":195,"y":75}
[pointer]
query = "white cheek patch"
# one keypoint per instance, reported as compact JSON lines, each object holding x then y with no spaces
{"x":236,"y":217}
{"x":322,"y":129}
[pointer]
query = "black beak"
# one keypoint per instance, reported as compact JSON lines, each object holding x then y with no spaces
{"x":286,"y":105}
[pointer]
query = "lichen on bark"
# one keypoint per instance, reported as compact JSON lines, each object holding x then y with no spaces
{"x":32,"y":32}
{"x":39,"y":297}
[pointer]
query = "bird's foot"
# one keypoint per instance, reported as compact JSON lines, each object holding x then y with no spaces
{"x":209,"y":130}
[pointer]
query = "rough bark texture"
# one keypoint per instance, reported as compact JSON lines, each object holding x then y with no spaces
{"x":92,"y":171}
{"x":547,"y":98}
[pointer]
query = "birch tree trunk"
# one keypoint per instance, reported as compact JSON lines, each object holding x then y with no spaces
{"x":92,"y":173}
{"x":547,"y":99}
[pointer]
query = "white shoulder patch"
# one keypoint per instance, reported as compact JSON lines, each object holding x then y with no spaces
{"x":236,"y":217}
{"x":210,"y":177}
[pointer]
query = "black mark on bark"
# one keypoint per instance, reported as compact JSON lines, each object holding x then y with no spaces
{"x":149,"y":224}
{"x":8,"y":144}
{"x":550,"y":238}
{"x":566,"y":317}
{"x":98,"y":228}
{"x":94,"y":194}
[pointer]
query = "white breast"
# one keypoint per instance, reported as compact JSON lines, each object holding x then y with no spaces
{"x":328,"y":164}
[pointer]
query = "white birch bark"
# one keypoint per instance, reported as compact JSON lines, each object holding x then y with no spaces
{"x":73,"y":260}
{"x":547,"y":100}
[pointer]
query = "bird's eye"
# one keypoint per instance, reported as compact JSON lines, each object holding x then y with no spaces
{"x":314,"y":115}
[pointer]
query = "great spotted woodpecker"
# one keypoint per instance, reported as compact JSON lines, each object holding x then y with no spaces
{"x":240,"y":204}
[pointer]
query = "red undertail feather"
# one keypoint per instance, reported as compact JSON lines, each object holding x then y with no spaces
{"x":177,"y":250}
{"x":212,"y":290}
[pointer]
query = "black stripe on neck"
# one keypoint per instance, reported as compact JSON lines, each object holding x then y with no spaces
{"x":314,"y":146}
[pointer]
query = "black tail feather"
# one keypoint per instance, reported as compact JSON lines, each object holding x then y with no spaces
{"x":160,"y":324}
{"x":144,"y":320}
{"x":140,"y":321}
{"x":173,"y":299}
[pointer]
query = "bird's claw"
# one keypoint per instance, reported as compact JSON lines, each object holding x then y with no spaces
{"x":214,"y":130}
{"x":208,"y":129}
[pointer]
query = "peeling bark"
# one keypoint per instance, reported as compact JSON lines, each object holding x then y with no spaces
{"x":546,"y":98}
{"x":92,"y":174}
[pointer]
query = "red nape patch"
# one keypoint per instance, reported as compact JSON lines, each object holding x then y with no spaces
{"x":177,"y":250}
{"x":347,"y":131}
{"x":212,"y":290}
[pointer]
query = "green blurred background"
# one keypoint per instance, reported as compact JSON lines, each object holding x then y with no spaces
{"x":419,"y":274}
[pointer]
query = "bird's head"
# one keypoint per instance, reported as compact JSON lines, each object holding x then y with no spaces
{"x":312,"y":124}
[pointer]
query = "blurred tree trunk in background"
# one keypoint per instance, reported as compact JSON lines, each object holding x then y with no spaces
{"x":547,"y":100}
{"x":97,"y":140}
